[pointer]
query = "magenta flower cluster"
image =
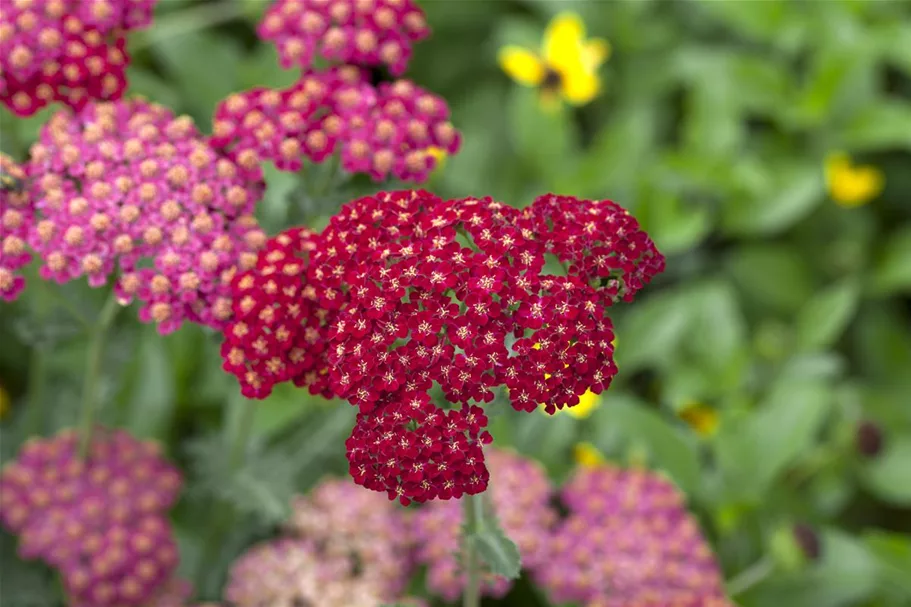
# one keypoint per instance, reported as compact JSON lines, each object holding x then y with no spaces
{"x":128,"y":189}
{"x":70,"y":51}
{"x":343,"y":546}
{"x":16,"y":220}
{"x":101,"y":521}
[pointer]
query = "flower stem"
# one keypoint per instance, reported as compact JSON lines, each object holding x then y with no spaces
{"x":90,"y":385}
{"x":472,"y":506}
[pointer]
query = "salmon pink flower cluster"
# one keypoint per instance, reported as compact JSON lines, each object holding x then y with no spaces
{"x":407,"y":291}
{"x":360,"y":32}
{"x":629,"y":540}
{"x":128,"y":189}
{"x":101,"y":521}
{"x":16,"y":220}
{"x":69,"y":51}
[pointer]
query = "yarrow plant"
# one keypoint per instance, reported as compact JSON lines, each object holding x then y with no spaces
{"x":99,"y":519}
{"x":16,"y":220}
{"x":68,"y":51}
{"x":127,"y":189}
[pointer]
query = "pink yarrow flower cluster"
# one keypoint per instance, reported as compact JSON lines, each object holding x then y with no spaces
{"x":361,"y":32}
{"x":628,"y":541}
{"x":16,"y":219}
{"x":127,"y":189}
{"x":344,"y":546}
{"x":100,"y":521}
{"x":70,"y":51}
{"x":520,"y":492}
{"x":387,"y":130}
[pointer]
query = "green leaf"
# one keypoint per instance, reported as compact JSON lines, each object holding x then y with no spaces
{"x":884,"y":124}
{"x":497,"y":551}
{"x":652,"y":331}
{"x":541,"y":137}
{"x":771,"y":276}
{"x":798,"y":190}
{"x":889,"y":475}
{"x":893,"y":269}
{"x":152,"y":400}
{"x":674,"y":226}
{"x":894,"y":553}
{"x":669,"y":448}
{"x":824,"y":318}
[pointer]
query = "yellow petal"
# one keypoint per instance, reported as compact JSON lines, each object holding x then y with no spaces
{"x":850,"y":185}
{"x":563,"y":41}
{"x":580,"y":87}
{"x":587,"y":455}
{"x":588,"y":402}
{"x":595,"y":52}
{"x":701,"y":418}
{"x":522,"y":65}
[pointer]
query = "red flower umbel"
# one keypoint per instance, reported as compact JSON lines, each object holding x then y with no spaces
{"x":17,"y":214}
{"x":71,"y":51}
{"x":364,"y":32}
{"x":100,"y":521}
{"x":278,"y":331}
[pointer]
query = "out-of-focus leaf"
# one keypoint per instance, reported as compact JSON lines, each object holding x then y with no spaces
{"x":151,"y":402}
{"x":884,"y":124}
{"x":669,"y":449}
{"x":824,"y":317}
{"x":262,"y":68}
{"x":499,"y":553}
{"x":846,"y":574}
{"x":673,"y":226}
{"x":771,"y":276}
{"x":892,"y":271}
{"x":894,"y":553}
{"x":753,"y":452}
{"x":652,"y":331}
{"x":797,"y":191}
{"x":24,"y":584}
{"x":542,"y":137}
{"x":889,"y":475}
{"x":882,"y":349}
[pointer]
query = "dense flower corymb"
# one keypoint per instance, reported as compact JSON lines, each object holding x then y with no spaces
{"x":127,"y":186}
{"x":396,"y":129}
{"x":628,"y":540}
{"x":100,"y":521}
{"x":72,"y":51}
{"x":362,"y":32}
{"x":520,"y":492}
{"x":453,"y":293}
{"x":277,"y":331}
{"x":16,"y":218}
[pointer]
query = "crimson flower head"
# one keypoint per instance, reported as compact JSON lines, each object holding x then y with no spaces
{"x":71,"y":51}
{"x":17,"y":217}
{"x":127,"y":188}
{"x":628,"y":540}
{"x":455,"y":293}
{"x":362,"y":32}
{"x":278,"y":331}
{"x":390,"y":130}
{"x":100,"y":521}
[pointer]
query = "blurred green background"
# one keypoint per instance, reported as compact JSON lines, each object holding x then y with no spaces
{"x":783,"y":312}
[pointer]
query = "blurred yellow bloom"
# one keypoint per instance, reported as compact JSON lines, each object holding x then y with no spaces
{"x":701,"y":418}
{"x":851,"y":185}
{"x":567,"y":64}
{"x":587,"y":455}
{"x":439,"y":154}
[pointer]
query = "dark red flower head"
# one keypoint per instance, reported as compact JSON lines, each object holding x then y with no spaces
{"x":71,"y":51}
{"x":278,"y":332}
{"x":363,"y":32}
{"x":101,"y":521}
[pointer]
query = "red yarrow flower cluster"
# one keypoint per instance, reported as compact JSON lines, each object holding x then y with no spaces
{"x":520,"y":493}
{"x":128,"y":187}
{"x":100,"y":521}
{"x":16,"y":219}
{"x":389,"y":130}
{"x":362,"y":32}
{"x":278,"y":332}
{"x":71,"y":51}
{"x":628,"y":541}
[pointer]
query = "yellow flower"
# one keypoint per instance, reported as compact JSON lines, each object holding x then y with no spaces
{"x":567,"y":64}
{"x":701,"y":418}
{"x":587,"y":455}
{"x":439,"y":154}
{"x":851,"y":185}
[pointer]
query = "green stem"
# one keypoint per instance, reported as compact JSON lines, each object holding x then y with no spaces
{"x":90,"y":386}
{"x":242,"y":430}
{"x":37,"y":378}
{"x":472,"y":513}
{"x":751,"y":576}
